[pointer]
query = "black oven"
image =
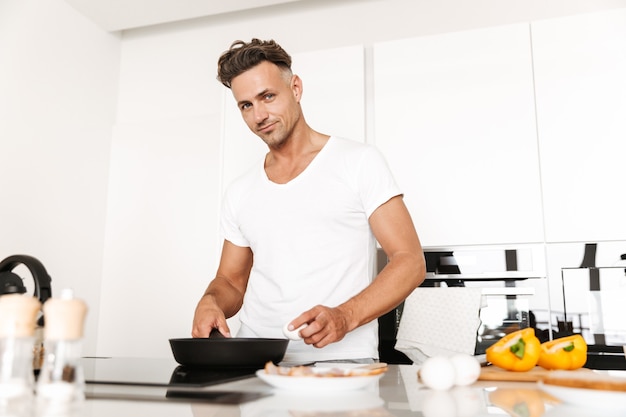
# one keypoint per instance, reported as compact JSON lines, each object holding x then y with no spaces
{"x":508,"y":276}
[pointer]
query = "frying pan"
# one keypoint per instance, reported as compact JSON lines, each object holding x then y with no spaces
{"x":220,"y":352}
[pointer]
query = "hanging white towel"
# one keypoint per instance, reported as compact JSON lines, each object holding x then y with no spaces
{"x":439,"y":321}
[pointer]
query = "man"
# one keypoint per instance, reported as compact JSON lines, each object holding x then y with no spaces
{"x":301,"y":228}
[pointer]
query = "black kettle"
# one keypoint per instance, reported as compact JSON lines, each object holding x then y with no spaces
{"x":11,"y":283}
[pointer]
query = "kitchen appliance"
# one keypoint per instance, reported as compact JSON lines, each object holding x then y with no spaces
{"x":161,"y":379}
{"x":593,"y":306}
{"x":509,"y":276}
{"x":11,"y":283}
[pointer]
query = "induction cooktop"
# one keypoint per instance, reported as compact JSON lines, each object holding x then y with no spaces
{"x":157,"y":372}
{"x":161,"y":379}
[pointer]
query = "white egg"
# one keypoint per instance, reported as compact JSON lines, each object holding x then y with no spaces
{"x":437,"y":373}
{"x":293,"y":334}
{"x":466,"y":368}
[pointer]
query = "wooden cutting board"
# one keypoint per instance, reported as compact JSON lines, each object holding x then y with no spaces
{"x":493,"y":373}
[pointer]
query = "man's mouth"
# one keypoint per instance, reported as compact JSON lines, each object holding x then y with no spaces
{"x":265,"y":128}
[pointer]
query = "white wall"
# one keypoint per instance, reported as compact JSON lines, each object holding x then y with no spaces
{"x":58,"y":92}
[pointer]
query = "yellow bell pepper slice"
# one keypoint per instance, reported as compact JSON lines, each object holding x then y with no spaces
{"x":565,"y":353}
{"x":518,"y":351}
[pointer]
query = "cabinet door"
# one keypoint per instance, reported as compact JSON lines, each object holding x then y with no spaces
{"x":580,"y":64}
{"x":455,"y":118}
{"x":333,"y":102}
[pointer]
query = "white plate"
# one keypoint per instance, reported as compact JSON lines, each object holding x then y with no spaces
{"x":317,"y":383}
{"x":292,"y":402}
{"x":614,"y":401}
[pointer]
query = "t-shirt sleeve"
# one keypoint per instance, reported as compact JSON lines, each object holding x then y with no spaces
{"x":229,"y":226}
{"x":376,"y":182}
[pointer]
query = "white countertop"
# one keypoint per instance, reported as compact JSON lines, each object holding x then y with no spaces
{"x":398,"y":393}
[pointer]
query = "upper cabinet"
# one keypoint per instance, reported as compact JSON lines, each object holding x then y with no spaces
{"x":504,"y":135}
{"x":580,"y":67}
{"x":455,"y":117}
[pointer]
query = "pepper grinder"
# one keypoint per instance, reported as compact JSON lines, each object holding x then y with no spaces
{"x":61,"y":382}
{"x":18,"y":315}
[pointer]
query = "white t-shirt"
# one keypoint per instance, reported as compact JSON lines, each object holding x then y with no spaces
{"x":311,"y":243}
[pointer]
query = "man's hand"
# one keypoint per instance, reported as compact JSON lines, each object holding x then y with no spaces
{"x":325,"y":325}
{"x":228,"y":286}
{"x":209,"y":316}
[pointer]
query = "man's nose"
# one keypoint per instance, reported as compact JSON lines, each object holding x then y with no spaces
{"x":260,"y":114}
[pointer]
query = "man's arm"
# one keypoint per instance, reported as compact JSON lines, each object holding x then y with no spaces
{"x":224,"y":295}
{"x":392,"y":225}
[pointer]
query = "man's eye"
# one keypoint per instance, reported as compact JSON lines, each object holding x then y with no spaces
{"x":268,"y":96}
{"x":245,"y":106}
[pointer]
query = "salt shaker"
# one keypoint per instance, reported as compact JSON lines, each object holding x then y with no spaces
{"x":61,"y":383}
{"x":18,"y":315}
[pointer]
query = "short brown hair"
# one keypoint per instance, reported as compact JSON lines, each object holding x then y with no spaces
{"x":242,"y":56}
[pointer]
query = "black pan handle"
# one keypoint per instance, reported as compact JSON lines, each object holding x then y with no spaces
{"x":215,"y":334}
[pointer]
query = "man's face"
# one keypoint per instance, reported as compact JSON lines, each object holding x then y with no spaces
{"x":269,"y":102}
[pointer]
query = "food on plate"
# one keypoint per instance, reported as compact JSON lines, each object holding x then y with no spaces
{"x":566,"y":353}
{"x":518,"y":351}
{"x":330,"y":372}
{"x":590,"y":380}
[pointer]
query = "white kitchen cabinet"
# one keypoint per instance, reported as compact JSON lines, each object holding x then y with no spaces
{"x":455,"y":117}
{"x":580,"y":63}
{"x":333,"y":102}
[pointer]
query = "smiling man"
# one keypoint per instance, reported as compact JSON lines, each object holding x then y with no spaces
{"x":300,"y":228}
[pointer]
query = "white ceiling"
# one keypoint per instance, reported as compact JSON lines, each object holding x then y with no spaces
{"x":115,"y":15}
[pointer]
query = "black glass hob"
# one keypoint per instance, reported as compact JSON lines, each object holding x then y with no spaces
{"x":161,"y":379}
{"x":157,"y":372}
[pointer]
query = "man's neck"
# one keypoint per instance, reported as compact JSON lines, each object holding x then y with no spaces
{"x":290,"y":160}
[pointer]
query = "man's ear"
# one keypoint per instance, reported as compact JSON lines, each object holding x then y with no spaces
{"x":296,"y":87}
